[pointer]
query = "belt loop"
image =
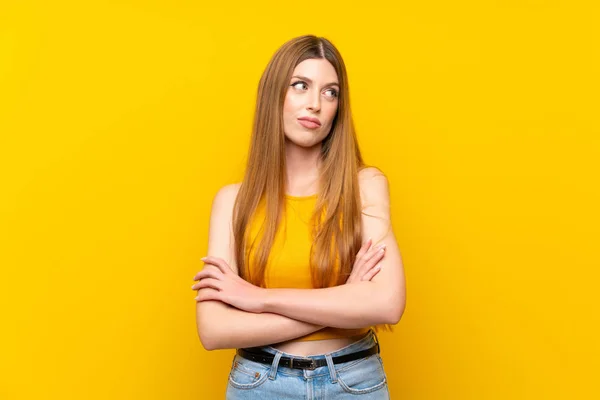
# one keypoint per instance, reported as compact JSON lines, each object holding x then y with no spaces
{"x":332,"y":372}
{"x":274,"y":365}
{"x":376,"y":340}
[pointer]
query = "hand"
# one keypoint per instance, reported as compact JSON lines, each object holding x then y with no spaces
{"x":228,"y":287}
{"x":366,"y":265}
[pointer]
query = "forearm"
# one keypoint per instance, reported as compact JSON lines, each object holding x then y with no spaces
{"x":348,"y":306}
{"x":221,"y":326}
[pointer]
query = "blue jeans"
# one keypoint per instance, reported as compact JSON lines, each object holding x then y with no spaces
{"x":364,"y":378}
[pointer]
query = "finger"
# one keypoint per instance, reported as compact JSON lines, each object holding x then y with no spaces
{"x":369,"y":259}
{"x":209,"y":270}
{"x":218,"y":262}
{"x":205,"y":274}
{"x":205,"y":295}
{"x":373,"y":251}
{"x":375,"y":258}
{"x":364,"y":248}
{"x":372,"y":272}
{"x":209,"y":283}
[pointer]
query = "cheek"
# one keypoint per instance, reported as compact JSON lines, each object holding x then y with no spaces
{"x":289,"y":113}
{"x":329,"y":112}
{"x":289,"y":105}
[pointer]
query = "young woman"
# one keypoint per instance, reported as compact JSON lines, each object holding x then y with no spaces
{"x":293,"y":279}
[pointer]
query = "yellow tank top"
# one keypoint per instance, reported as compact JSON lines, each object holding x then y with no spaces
{"x":288,"y":264}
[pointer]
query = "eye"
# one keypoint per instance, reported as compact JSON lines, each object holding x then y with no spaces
{"x":296,"y":83}
{"x":334,"y":93}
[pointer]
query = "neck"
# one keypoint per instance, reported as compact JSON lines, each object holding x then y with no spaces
{"x":302,"y":169}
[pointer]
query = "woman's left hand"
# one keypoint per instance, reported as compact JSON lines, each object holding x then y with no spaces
{"x":229,"y":287}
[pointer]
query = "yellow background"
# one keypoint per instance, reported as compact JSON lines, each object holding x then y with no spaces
{"x":119,"y":120}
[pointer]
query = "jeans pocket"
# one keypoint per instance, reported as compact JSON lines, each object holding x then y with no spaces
{"x":246,"y":374}
{"x":363,"y":376}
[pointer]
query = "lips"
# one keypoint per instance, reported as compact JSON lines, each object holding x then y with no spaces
{"x":308,"y":124}
{"x":311,"y":119}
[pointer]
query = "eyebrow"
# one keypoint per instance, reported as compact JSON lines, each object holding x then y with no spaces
{"x":310,"y":80}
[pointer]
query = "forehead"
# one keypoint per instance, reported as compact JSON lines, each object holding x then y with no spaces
{"x":319,"y":70}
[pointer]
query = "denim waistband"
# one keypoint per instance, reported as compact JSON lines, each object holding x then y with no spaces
{"x":369,"y":340}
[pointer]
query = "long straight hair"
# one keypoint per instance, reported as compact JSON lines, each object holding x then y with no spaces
{"x":336,"y":220}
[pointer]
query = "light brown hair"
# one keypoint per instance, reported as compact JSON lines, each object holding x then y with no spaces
{"x":335,"y":244}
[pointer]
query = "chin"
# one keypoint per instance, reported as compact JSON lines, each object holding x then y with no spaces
{"x":300,"y":142}
{"x":300,"y":136}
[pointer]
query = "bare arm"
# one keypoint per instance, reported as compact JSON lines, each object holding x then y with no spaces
{"x":221,"y":326}
{"x":378,"y":301}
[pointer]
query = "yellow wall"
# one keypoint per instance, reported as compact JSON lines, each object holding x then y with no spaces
{"x":119,"y":120}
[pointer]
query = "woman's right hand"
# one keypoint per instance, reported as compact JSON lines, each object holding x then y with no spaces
{"x":366,"y":265}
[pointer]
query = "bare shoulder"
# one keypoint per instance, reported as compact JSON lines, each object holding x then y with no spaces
{"x":220,"y":237}
{"x":224,"y":200}
{"x":374,"y":187}
{"x":370,"y":172}
{"x":227,"y":194}
{"x":222,"y":206}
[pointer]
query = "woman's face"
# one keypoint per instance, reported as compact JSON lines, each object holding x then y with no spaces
{"x":312,"y":92}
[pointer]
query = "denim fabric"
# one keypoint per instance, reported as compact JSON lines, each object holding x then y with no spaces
{"x":364,"y":378}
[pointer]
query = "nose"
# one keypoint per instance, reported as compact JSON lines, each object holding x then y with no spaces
{"x":314,"y":102}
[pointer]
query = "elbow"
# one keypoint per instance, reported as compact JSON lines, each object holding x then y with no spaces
{"x":209,"y":339}
{"x":393,"y":310}
{"x":393,"y":316}
{"x":212,"y":331}
{"x":208,"y":343}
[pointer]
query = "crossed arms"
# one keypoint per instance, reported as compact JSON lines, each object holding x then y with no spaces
{"x":287,"y":314}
